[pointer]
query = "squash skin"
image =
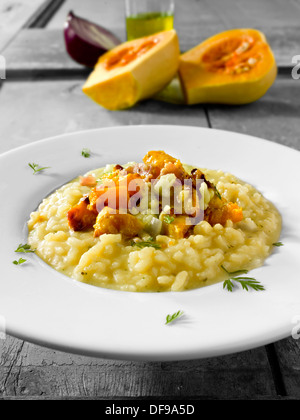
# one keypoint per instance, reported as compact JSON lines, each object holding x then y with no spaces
{"x":201,"y":84}
{"x":123,"y":86}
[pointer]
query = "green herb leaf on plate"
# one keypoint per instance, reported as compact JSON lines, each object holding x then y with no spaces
{"x":171,"y":318}
{"x":36,"y":168}
{"x":20,"y":261}
{"x":86,"y":153}
{"x":246,"y":282}
{"x":24,"y":249}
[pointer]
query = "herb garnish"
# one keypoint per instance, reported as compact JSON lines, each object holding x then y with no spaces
{"x":24,"y":248}
{"x":36,"y":168}
{"x":19,"y":262}
{"x":168,"y":219}
{"x":245,"y":282}
{"x":171,"y":318}
{"x":86,"y":153}
{"x":217,"y":193}
{"x":145,"y":244}
{"x":277,"y":244}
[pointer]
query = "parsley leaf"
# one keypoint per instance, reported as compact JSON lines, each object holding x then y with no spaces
{"x":168,"y":219}
{"x":36,"y":168}
{"x":86,"y":153}
{"x":245,"y":282}
{"x":19,"y":262}
{"x":24,"y":248}
{"x":171,"y":318}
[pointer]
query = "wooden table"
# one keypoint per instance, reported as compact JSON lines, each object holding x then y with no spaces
{"x":42,"y":97}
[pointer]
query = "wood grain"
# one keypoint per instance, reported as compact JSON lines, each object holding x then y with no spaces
{"x":43,"y":51}
{"x":14,"y":15}
{"x":30,"y":111}
{"x":28,"y":371}
{"x":288,"y":355}
{"x":46,"y":100}
{"x":275,"y":117}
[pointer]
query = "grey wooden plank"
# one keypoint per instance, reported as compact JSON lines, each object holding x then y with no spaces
{"x":197,"y":20}
{"x":276,"y":116}
{"x":108,"y":13}
{"x":228,"y":13}
{"x":264,"y":13}
{"x":277,"y":19}
{"x":31,"y":111}
{"x":194,"y":21}
{"x":43,"y":51}
{"x":14,"y":15}
{"x":289,"y":359}
{"x":28,"y":371}
{"x":38,"y":50}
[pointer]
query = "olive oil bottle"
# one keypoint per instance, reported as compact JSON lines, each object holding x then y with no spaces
{"x":144,"y":24}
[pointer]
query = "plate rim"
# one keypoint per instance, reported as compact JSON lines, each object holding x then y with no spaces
{"x":117,"y":355}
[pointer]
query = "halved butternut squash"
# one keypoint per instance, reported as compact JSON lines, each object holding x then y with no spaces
{"x":233,"y":67}
{"x":134,"y":70}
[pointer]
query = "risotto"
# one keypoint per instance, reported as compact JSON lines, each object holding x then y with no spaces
{"x":83,"y":231}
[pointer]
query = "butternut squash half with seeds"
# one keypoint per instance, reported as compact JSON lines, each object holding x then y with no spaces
{"x":234,"y":67}
{"x":134,"y":70}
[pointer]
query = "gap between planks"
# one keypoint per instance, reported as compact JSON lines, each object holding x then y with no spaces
{"x":66,"y":74}
{"x":43,"y":16}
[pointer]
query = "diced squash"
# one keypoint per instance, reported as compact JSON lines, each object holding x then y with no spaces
{"x":111,"y":222}
{"x":178,"y":228}
{"x":219,"y":211}
{"x":80,"y":217}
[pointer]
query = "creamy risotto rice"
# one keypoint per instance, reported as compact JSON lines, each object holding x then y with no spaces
{"x":173,"y":264}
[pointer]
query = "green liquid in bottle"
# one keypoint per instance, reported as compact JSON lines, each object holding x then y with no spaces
{"x":145,"y":24}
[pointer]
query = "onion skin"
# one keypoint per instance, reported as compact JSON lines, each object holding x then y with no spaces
{"x":82,"y":46}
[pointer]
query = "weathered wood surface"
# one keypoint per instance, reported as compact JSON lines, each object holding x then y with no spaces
{"x":46,"y":101}
{"x":275,"y":117}
{"x":196,"y":20}
{"x":28,"y":370}
{"x":14,"y":15}
{"x":43,"y":50}
{"x":66,"y":109}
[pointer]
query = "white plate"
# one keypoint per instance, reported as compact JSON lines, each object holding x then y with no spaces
{"x":42,"y":306}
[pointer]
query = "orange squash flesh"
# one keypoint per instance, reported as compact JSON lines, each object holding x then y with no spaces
{"x":233,"y":67}
{"x":134,"y":71}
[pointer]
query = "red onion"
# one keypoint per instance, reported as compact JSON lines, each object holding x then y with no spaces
{"x":86,"y":41}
